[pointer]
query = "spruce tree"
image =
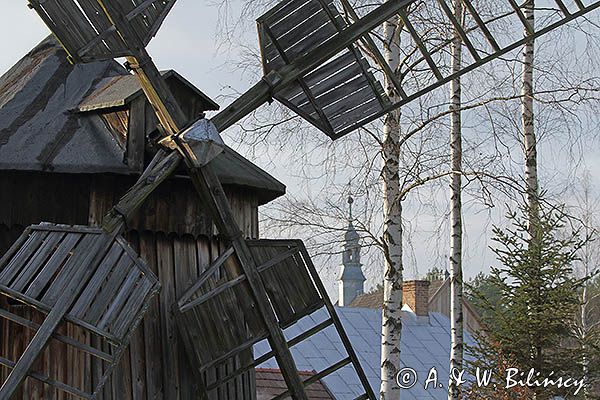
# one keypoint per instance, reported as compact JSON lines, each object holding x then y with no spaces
{"x":530,"y":324}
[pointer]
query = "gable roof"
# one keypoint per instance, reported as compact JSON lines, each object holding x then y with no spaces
{"x":117,"y":91}
{"x":425,"y":344}
{"x":41,"y":128}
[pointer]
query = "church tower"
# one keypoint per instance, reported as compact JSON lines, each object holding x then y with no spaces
{"x":351,"y":281}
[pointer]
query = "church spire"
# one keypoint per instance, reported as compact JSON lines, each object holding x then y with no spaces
{"x":351,"y":281}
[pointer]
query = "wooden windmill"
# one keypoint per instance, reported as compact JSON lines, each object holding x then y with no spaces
{"x":314,"y":65}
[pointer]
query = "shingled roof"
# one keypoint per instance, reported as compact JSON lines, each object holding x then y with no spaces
{"x":42,"y":127}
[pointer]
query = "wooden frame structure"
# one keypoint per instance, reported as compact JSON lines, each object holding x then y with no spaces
{"x":218,"y":300}
{"x":165,"y":162}
{"x":316,"y":70}
{"x":333,"y":96}
{"x":79,"y":276}
{"x":306,"y":71}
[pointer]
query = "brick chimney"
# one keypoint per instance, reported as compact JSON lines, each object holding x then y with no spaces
{"x":416,"y":295}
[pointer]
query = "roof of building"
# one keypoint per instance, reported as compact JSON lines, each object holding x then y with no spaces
{"x":374,"y":299}
{"x":270,"y":384}
{"x":425,"y":344}
{"x":116,"y":91}
{"x":42,"y":129}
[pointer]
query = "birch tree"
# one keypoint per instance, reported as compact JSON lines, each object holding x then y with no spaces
{"x":456,"y":275}
{"x":391,"y":316}
{"x":587,"y":328}
{"x":527,"y":122}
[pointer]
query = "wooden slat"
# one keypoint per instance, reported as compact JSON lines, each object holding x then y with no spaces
{"x":486,"y":32}
{"x":121,"y":291}
{"x":43,"y":378}
{"x":360,"y":95}
{"x":265,"y":357}
{"x":98,"y":280}
{"x":131,"y":309}
{"x":315,"y":107}
{"x":207,"y":274}
{"x":22,"y":256}
{"x":563,"y":7}
{"x":336,"y":321}
{"x":106,"y":294}
{"x":420,"y":44}
{"x":87,"y":261}
{"x":67,"y":272}
{"x":65,"y":339}
{"x":53,"y":265}
{"x":310,"y":42}
{"x":165,"y":267}
{"x":14,"y":248}
{"x":314,"y":378}
{"x":300,"y":24}
{"x":459,"y":29}
{"x":355,"y":116}
{"x":521,"y":16}
{"x":46,"y":309}
{"x":186,"y":272}
{"x":36,"y":262}
{"x":151,"y":325}
{"x":98,"y":17}
{"x":342,"y":77}
{"x":331,"y":68}
{"x":281,"y":10}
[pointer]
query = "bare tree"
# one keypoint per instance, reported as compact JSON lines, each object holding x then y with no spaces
{"x":391,"y":316}
{"x":456,"y":274}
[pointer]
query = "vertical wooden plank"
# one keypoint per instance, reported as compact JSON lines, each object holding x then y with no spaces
{"x":136,"y":135}
{"x":152,"y":325}
{"x":137,"y":344}
{"x":170,"y":367}
{"x":186,"y":273}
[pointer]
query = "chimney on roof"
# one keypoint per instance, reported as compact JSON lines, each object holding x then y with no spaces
{"x":415,"y":295}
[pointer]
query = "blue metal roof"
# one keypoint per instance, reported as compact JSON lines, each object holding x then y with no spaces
{"x":425,"y":344}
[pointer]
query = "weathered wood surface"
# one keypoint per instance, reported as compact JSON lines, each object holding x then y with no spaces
{"x":341,"y":86}
{"x":87,"y":32}
{"x":146,"y":365}
{"x":72,"y":273}
{"x":85,"y":199}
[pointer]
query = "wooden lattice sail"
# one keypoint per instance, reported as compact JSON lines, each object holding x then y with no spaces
{"x":313,"y":64}
{"x":76,"y":276}
{"x":219,"y":300}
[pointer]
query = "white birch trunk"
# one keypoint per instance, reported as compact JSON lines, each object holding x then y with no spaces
{"x":456,"y":275}
{"x":392,"y":232}
{"x":584,"y":329}
{"x":529,"y":138}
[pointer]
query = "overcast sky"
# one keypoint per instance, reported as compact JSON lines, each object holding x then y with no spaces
{"x":187,"y":43}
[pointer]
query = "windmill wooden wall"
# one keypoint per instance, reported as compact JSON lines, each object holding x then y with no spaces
{"x":177,"y":240}
{"x":73,"y":139}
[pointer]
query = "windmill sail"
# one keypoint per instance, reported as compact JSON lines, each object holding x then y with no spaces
{"x":87,"y":31}
{"x":312,"y":54}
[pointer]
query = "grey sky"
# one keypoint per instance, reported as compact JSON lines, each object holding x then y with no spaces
{"x":187,"y":43}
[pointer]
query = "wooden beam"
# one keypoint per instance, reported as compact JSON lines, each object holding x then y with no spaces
{"x":277,"y":80}
{"x":207,"y":183}
{"x":88,"y":261}
{"x":336,"y":321}
{"x":62,"y":338}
